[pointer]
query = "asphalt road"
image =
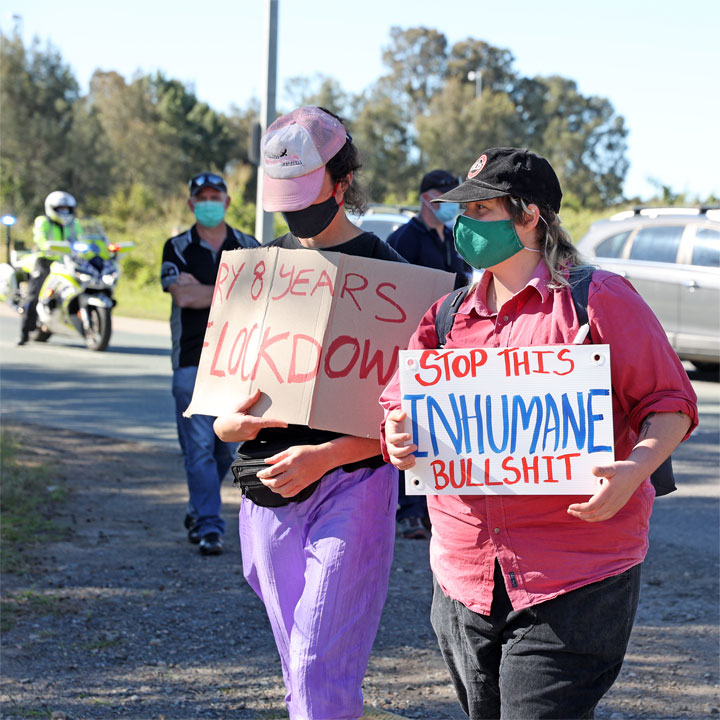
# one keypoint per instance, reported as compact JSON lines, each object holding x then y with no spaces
{"x":124,"y":392}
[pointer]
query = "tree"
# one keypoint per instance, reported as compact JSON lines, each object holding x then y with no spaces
{"x":159,"y":132}
{"x":382,"y":135}
{"x":584,"y":140}
{"x":416,"y":60}
{"x":495,"y":64}
{"x":458,"y":126}
{"x":320,"y":90}
{"x":37,"y":94}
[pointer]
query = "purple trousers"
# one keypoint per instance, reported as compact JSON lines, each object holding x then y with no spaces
{"x":321,"y":567}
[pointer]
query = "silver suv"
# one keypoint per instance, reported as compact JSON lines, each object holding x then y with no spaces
{"x":672,"y":258}
{"x":383,"y":219}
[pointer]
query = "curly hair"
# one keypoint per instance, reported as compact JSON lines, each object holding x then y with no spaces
{"x":344,"y":162}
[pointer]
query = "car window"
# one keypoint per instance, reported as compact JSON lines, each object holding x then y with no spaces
{"x":659,"y":244}
{"x":706,"y":250}
{"x":612,"y":246}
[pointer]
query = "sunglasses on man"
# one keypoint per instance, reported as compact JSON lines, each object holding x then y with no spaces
{"x":203,"y":179}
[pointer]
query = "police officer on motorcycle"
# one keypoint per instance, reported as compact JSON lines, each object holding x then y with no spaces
{"x":51,"y":232}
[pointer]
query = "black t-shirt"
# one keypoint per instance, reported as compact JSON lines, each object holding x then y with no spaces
{"x":421,"y":245}
{"x":366,"y":245}
{"x":188,"y":253}
{"x":273,"y":440}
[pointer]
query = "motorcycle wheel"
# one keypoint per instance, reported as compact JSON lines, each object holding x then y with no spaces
{"x":97,"y":336}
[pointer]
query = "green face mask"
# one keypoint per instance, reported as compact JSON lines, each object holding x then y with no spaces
{"x":209,"y":213}
{"x":485,"y":244}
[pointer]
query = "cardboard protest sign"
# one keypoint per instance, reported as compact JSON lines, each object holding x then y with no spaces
{"x":508,"y":421}
{"x":318,"y":332}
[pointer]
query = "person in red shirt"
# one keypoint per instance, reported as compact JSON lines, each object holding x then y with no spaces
{"x":534,"y":596}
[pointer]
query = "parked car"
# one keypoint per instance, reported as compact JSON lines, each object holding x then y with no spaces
{"x":672,"y":258}
{"x":384,"y":219}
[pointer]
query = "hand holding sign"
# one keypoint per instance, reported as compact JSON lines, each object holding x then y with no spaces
{"x":501,"y":421}
{"x":238,"y":426}
{"x":399,"y":443}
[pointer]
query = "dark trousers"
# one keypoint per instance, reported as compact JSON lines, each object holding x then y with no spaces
{"x":552,"y":660}
{"x":32,"y":294}
{"x":410,"y":505}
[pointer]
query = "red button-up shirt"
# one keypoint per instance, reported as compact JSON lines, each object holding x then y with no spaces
{"x":543,"y":551}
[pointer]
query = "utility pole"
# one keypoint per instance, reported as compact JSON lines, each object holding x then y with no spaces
{"x":476,"y":75}
{"x":264,"y":220}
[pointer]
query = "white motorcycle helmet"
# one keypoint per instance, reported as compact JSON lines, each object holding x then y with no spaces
{"x":60,"y":207}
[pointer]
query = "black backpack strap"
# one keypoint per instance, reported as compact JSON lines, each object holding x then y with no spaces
{"x":445,"y":317}
{"x":580,"y":278}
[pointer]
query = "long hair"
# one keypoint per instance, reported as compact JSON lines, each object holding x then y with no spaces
{"x":340,"y":165}
{"x":555,"y":242}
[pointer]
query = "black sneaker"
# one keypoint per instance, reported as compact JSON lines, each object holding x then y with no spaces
{"x":192,"y":528}
{"x":23,"y":339}
{"x":211,"y":544}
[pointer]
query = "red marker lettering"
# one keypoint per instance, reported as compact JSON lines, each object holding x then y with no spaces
{"x":352,"y":290}
{"x":219,"y":280}
{"x":284,"y":274}
{"x":299,"y":280}
{"x":293,"y":375}
{"x":218,"y":350}
{"x":323,"y":281}
{"x":402,"y":317}
{"x":236,"y":275}
{"x":335,"y":346}
{"x":561,"y":356}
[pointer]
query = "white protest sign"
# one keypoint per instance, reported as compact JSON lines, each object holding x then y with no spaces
{"x":317,"y":332}
{"x":508,"y":421}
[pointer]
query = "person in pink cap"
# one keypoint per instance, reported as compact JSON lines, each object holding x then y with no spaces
{"x":317,"y":534}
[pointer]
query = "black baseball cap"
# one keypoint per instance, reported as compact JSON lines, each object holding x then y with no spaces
{"x":438,"y":180}
{"x":503,"y":171}
{"x":206,"y":179}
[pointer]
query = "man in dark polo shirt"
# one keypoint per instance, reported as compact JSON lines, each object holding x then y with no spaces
{"x":189,"y":266}
{"x":427,"y":240}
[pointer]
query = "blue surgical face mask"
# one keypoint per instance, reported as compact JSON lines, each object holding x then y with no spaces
{"x":209,"y":213}
{"x":446,"y":212}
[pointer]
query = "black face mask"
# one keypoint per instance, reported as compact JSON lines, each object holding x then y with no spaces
{"x":311,"y":221}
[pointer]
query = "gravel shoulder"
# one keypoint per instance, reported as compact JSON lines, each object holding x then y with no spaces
{"x":125,"y":619}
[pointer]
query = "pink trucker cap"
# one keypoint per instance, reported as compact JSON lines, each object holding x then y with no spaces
{"x":295,"y":150}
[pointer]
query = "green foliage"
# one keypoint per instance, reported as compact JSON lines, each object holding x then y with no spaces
{"x":320,"y":90}
{"x":127,"y":148}
{"x":28,"y":493}
{"x":37,"y":93}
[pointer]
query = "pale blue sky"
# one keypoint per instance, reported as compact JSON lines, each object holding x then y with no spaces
{"x":657,"y":61}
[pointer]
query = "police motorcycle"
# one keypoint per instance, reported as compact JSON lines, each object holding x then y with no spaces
{"x":77,"y":295}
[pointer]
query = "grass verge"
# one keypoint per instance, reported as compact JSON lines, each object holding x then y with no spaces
{"x":28,"y":494}
{"x":141,"y":301}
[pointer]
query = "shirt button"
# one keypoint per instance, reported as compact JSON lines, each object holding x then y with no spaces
{"x":496,"y":530}
{"x":506,"y":318}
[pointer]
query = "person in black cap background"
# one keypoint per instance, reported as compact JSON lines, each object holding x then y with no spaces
{"x":190,"y":263}
{"x":427,"y":240}
{"x":535,"y":595}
